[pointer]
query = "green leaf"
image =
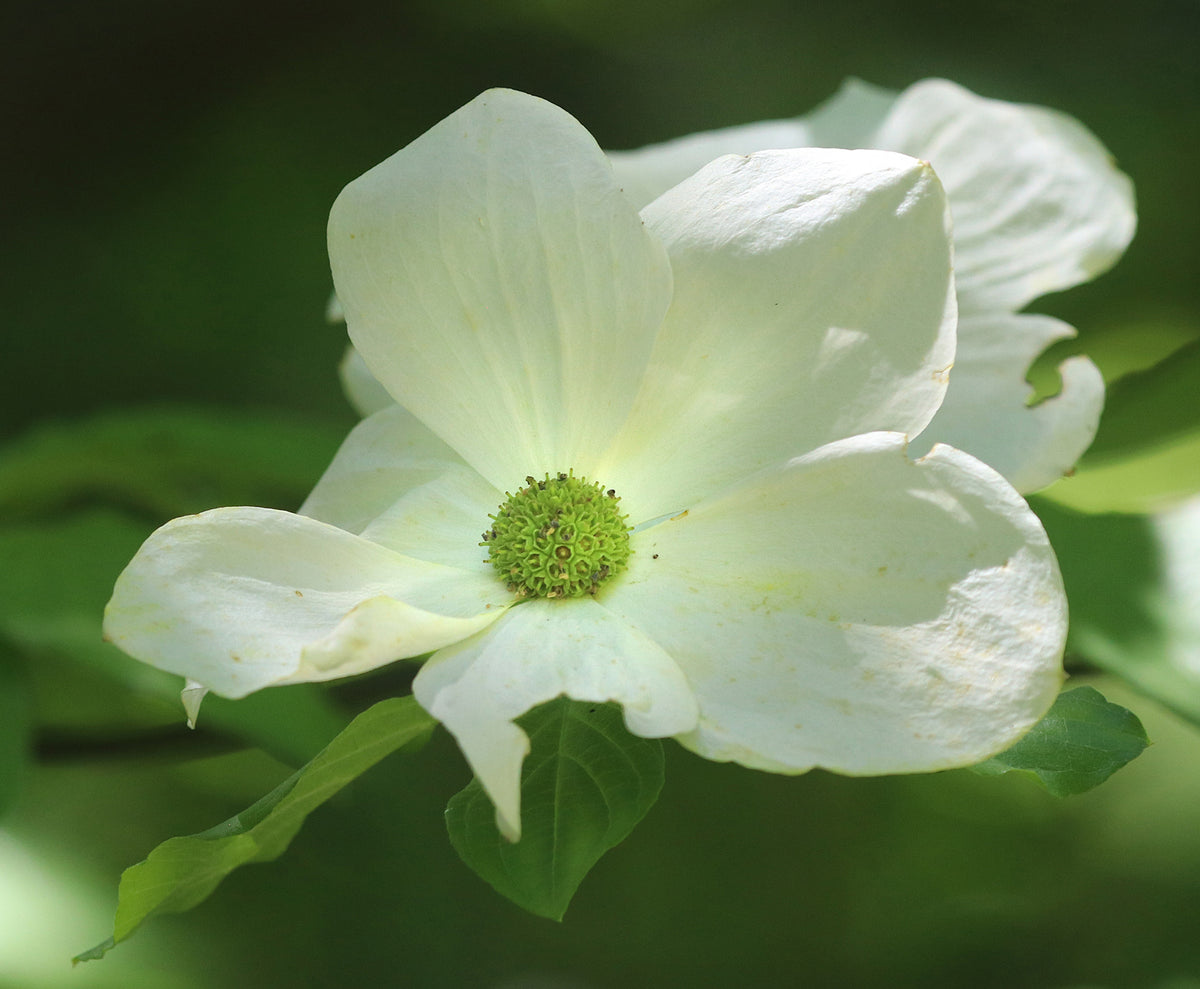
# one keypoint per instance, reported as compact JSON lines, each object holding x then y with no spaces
{"x":584,"y":786}
{"x":182,"y":872}
{"x":1146,"y":456}
{"x":1150,"y":407}
{"x":1117,"y":348}
{"x":1127,"y":617}
{"x":164,"y":462}
{"x":1081,"y":742}
{"x":1145,"y":481}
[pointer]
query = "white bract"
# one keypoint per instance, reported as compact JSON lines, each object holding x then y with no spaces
{"x":1037,"y":207}
{"x":742,"y":364}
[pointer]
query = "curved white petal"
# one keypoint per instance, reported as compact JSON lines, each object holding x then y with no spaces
{"x":846,"y":120}
{"x":501,"y":287}
{"x":986,"y":411}
{"x":383,"y":457}
{"x":1037,"y":202}
{"x":856,"y":610}
{"x":441,"y":521}
{"x":362,"y":388}
{"x":814,"y":300}
{"x":538,"y":651}
{"x":237,"y":599}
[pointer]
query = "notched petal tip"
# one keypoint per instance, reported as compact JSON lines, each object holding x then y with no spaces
{"x":191,"y":695}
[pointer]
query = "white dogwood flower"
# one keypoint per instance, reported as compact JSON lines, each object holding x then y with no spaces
{"x":657,"y":459}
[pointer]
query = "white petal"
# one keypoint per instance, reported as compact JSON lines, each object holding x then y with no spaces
{"x":1038,"y":205}
{"x":501,"y":287}
{"x":856,"y":610}
{"x":846,"y":120}
{"x":813,"y":301}
{"x":986,"y":410}
{"x":441,"y":521}
{"x":362,"y":388}
{"x":540,"y":650}
{"x":237,"y":599}
{"x":384,"y":457}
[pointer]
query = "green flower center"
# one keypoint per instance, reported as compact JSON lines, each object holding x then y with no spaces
{"x":561,"y":537}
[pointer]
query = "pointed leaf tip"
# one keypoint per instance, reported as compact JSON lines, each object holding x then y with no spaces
{"x":585,"y":785}
{"x":181,"y":872}
{"x":1081,"y":742}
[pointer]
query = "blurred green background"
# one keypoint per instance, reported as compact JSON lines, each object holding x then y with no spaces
{"x":168,"y":171}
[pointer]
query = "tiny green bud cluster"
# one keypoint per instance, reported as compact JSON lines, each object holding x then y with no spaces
{"x":560,"y":537}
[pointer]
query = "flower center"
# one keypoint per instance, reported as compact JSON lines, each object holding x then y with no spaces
{"x":561,"y":537}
